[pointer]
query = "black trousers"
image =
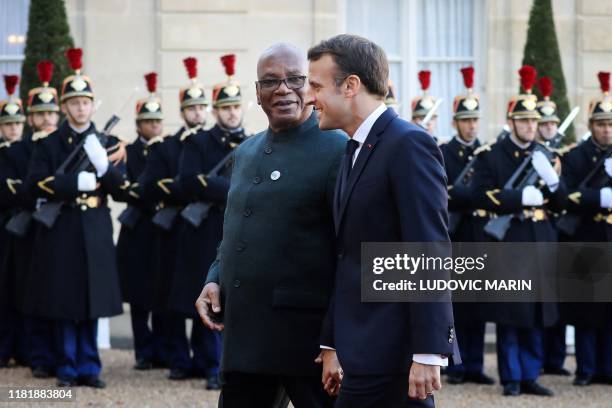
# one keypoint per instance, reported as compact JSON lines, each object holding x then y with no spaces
{"x":245,"y":390}
{"x":378,"y":391}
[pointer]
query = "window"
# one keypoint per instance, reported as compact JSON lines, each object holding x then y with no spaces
{"x":13,"y":28}
{"x":439,"y":35}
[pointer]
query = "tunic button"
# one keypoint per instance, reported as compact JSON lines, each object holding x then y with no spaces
{"x":275,"y":175}
{"x":236,"y":283}
{"x":248,"y":212}
{"x":240,"y":247}
{"x":257,"y":180}
{"x":83,"y":208}
{"x":83,"y":195}
{"x":450,"y":340}
{"x":268,"y":150}
{"x":340,"y":255}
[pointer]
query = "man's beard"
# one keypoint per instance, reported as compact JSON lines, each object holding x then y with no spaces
{"x":230,"y":129}
{"x":194,"y":124}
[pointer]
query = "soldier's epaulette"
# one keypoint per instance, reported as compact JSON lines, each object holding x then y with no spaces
{"x":484,"y":148}
{"x":189,"y":132}
{"x":39,"y":135}
{"x":156,"y":139}
{"x":564,"y":149}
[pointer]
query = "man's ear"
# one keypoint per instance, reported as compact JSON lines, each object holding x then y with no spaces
{"x":63,"y":108}
{"x":352,"y":86}
{"x":257,"y":95}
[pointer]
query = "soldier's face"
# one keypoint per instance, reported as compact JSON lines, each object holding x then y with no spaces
{"x":524,"y":129}
{"x":79,"y":110}
{"x":43,"y":120}
{"x":431,"y":125}
{"x":194,"y":115}
{"x":284,"y":106}
{"x":467,"y":128}
{"x":326,"y":94}
{"x":150,"y":128}
{"x":12,"y":131}
{"x":601,"y":131}
{"x":230,"y":117}
{"x":547,"y":130}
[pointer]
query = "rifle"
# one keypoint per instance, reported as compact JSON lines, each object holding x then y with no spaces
{"x":464,"y":179}
{"x":196,"y":212}
{"x":497,"y":227}
{"x":76,"y":162}
{"x":569,"y":222}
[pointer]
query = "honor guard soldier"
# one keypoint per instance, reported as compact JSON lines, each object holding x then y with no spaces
{"x":422,"y":104}
{"x":204,"y":176}
{"x":519,"y":325}
{"x":74,"y":277}
{"x":12,"y":339}
{"x":138,"y":247}
{"x":43,"y":117}
{"x":160,"y":188}
{"x":587,"y":170}
{"x":548,"y":124}
{"x":467,"y":223}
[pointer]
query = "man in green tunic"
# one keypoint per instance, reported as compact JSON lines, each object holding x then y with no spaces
{"x":270,"y":285}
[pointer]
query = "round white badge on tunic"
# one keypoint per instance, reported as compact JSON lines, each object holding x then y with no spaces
{"x":275,"y":175}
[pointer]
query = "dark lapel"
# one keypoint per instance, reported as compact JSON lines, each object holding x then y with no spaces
{"x":364,"y":154}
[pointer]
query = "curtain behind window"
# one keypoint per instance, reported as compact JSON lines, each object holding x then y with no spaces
{"x":13,"y":28}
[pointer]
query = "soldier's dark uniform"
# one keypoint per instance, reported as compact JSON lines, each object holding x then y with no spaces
{"x":519,"y":325}
{"x":12,"y":330}
{"x":202,"y":152}
{"x":74,"y":277}
{"x":139,"y":248}
{"x":469,"y":221}
{"x":161,"y":188}
{"x":593,"y":321}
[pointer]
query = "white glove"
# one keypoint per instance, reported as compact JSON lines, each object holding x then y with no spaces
{"x":608,"y":166}
{"x":545,"y":170}
{"x":86,"y":181}
{"x":605,"y":197}
{"x":532,"y":197}
{"x":97,"y":154}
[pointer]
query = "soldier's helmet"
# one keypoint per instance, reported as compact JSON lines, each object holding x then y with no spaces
{"x":228,"y":92}
{"x":192,"y":94}
{"x":11,"y":109}
{"x":43,"y":98}
{"x":467,"y":106}
{"x":422,"y":104}
{"x":524,"y":105}
{"x":601,"y":108}
{"x":150,"y":107}
{"x":76,"y":84}
{"x":547,"y":108}
{"x":390,"y":98}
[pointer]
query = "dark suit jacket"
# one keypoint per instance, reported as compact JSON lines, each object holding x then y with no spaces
{"x":396,"y":192}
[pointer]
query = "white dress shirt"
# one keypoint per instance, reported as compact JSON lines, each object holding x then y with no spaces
{"x":360,"y":136}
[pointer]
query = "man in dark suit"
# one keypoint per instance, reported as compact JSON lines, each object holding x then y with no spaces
{"x":274,"y":272}
{"x":391,"y":188}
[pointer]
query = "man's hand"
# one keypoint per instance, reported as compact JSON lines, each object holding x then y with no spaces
{"x":423,"y":380}
{"x":207,"y":304}
{"x":118,"y":153}
{"x":332,"y":371}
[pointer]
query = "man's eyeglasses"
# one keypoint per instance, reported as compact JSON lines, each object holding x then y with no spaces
{"x":292,"y":82}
